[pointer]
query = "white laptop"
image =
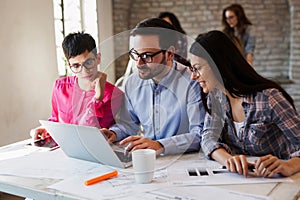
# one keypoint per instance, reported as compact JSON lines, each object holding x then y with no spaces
{"x":86,"y":143}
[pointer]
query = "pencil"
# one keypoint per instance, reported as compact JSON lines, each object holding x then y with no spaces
{"x":101,"y":178}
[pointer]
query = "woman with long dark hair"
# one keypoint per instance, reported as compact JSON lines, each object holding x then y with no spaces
{"x":247,"y":114}
{"x":238,"y":27}
{"x":181,"y":47}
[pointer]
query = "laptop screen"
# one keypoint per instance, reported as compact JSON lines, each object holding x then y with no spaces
{"x":86,"y":143}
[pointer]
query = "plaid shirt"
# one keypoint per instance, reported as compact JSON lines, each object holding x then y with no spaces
{"x":271,"y":126}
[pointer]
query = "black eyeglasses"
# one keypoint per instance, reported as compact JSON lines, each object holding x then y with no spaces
{"x":146,"y":57}
{"x":88,"y":64}
{"x":195,"y":69}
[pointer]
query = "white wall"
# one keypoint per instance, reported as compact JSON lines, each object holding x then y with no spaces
{"x":27,"y":66}
{"x":106,"y":38}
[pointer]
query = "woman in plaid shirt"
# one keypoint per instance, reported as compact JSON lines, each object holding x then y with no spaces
{"x":247,"y":115}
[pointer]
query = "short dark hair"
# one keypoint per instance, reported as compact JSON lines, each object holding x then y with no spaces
{"x":155,"y":26}
{"x":75,"y":44}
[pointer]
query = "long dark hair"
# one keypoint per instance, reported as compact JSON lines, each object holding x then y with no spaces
{"x":174,"y":20}
{"x":230,"y":67}
{"x":243,"y":21}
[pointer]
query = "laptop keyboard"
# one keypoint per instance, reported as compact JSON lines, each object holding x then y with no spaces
{"x":124,"y":157}
{"x":122,"y":154}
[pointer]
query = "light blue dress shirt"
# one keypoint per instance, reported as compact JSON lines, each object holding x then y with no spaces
{"x":170,"y":112}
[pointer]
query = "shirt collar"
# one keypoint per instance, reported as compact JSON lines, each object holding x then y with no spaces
{"x":166,"y":80}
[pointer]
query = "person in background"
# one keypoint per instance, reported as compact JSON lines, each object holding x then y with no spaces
{"x":181,"y":47}
{"x":238,"y":27}
{"x":85,"y":98}
{"x":247,"y":114}
{"x":159,"y":96}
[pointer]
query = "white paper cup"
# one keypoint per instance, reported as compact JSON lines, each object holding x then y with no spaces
{"x":143,"y":161}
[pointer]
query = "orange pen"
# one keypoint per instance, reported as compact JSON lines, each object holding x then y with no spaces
{"x":101,"y":178}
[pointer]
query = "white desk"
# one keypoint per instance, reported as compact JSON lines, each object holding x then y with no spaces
{"x":38,"y":188}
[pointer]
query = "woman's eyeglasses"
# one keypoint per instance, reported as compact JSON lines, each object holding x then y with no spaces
{"x":195,"y":69}
{"x":230,"y":17}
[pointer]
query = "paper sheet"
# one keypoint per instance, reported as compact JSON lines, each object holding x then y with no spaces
{"x":17,"y":150}
{"x":16,"y":153}
{"x":199,"y":192}
{"x":52,"y":164}
{"x":112,"y":189}
{"x":205,"y":172}
{"x":122,"y":186}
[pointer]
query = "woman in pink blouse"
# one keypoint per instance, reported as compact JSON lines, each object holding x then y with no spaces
{"x":86,"y":98}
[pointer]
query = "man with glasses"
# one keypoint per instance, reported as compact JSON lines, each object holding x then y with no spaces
{"x":85,"y":98}
{"x":159,"y":97}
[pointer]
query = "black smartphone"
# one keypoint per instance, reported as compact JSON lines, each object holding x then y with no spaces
{"x":47,"y":142}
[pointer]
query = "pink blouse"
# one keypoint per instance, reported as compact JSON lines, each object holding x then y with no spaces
{"x":72,"y":105}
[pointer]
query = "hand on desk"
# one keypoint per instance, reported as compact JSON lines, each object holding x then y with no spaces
{"x":140,"y":142}
{"x":238,"y":164}
{"x":110,"y":135}
{"x":38,"y":133}
{"x":134,"y":142}
{"x":269,"y":165}
{"x":265,"y":166}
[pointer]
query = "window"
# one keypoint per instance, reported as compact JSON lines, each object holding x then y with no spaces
{"x":73,"y":16}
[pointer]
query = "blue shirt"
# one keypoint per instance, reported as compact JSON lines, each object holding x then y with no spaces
{"x":248,"y":40}
{"x":271,"y":127}
{"x":170,"y":112}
